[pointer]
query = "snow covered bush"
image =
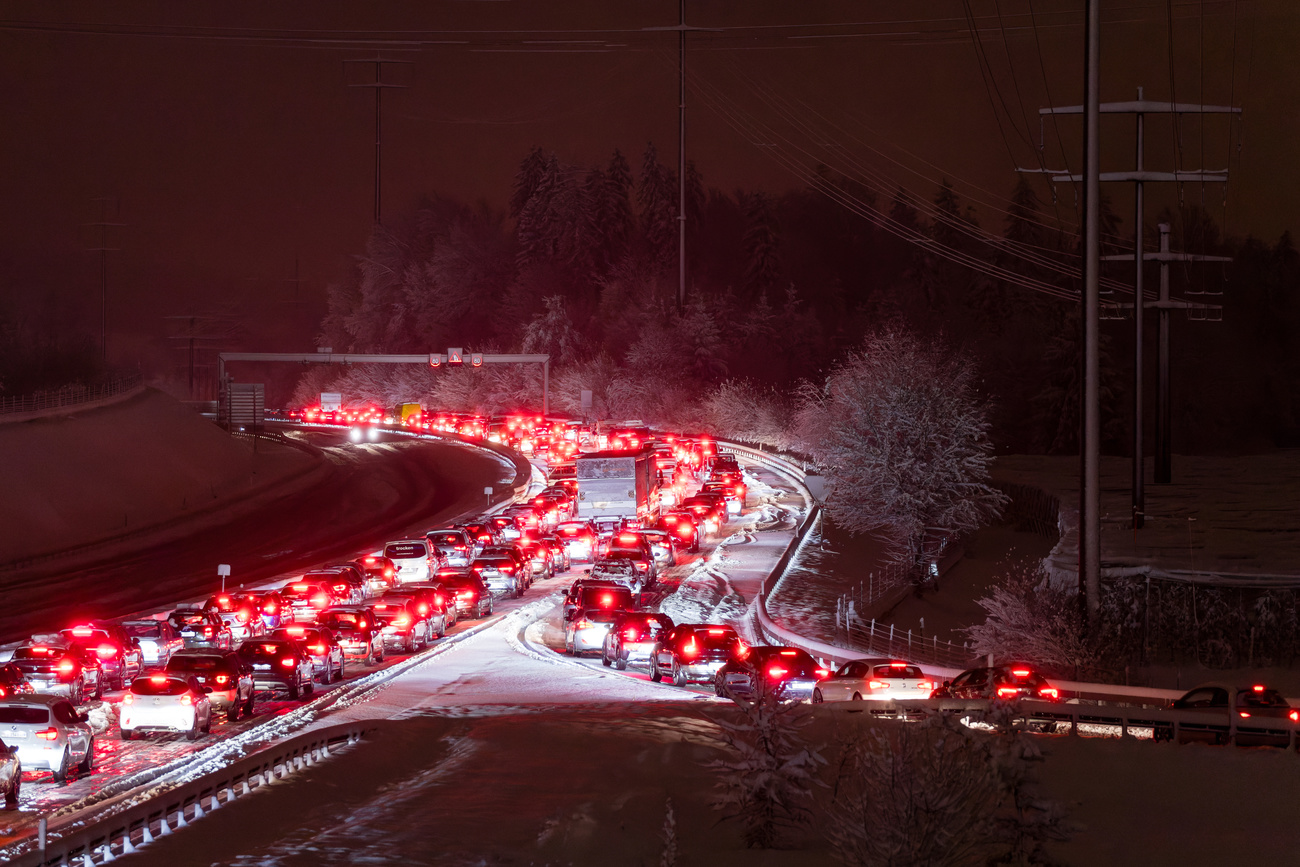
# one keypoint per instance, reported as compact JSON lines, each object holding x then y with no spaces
{"x":770,"y":777}
{"x":939,"y":793}
{"x":903,"y":438}
{"x":1029,"y":619}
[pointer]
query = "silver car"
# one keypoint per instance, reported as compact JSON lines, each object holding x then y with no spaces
{"x":158,"y":640}
{"x":47,"y":732}
{"x":585,"y":630}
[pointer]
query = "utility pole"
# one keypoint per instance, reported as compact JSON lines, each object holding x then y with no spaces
{"x":103,"y":250}
{"x":1139,"y":177}
{"x":682,"y":28}
{"x":378,"y":84}
{"x":1090,"y":438}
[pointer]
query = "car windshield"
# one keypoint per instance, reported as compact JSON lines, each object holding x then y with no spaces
{"x":156,"y":685}
{"x":23,"y":715}
{"x":152,"y":629}
{"x":195,"y":663}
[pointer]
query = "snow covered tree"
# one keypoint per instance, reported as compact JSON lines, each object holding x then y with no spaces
{"x":773,"y":769}
{"x":903,"y":439}
{"x":762,"y":244}
{"x":551,"y":332}
{"x":656,"y":195}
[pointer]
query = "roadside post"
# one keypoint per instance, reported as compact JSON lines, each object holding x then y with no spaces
{"x":223,"y":571}
{"x":487,"y":492}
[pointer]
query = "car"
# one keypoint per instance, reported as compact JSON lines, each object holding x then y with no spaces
{"x":278,"y":664}
{"x":226,"y":679}
{"x":632,"y":636}
{"x":500,"y":574}
{"x":14,"y":682}
{"x":380,"y":573}
{"x":274,"y":609}
{"x":585,"y":629}
{"x":414,"y":559}
{"x":731,"y":495}
{"x":538,"y":561}
{"x":47,"y":732}
{"x":560,"y":560}
{"x":241,"y":612}
{"x":358,"y":630}
{"x":709,"y":509}
{"x":661,"y":547}
{"x":120,"y":658}
{"x":1008,"y":682}
{"x":886,"y":683}
{"x":432,"y":603}
{"x":597,"y":593}
{"x":302,"y":600}
{"x":165,"y":703}
{"x":479,"y":533}
{"x":54,"y":666}
{"x":1219,"y":702}
{"x":505,"y":527}
{"x":401,"y":624}
{"x":319,"y":643}
{"x":682,"y":526}
{"x":11,"y":774}
{"x":641,"y":559}
{"x":199,"y":628}
{"x":694,"y":652}
{"x":515,"y":550}
{"x":347,"y":581}
{"x":786,"y":673}
{"x":158,"y":640}
{"x":473,"y":598}
{"x":454,"y":545}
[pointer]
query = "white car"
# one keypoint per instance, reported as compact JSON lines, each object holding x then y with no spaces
{"x":47,"y":732}
{"x":887,"y":683}
{"x":411,"y":557}
{"x":165,"y":703}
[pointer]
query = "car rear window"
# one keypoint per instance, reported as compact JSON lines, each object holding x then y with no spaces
{"x":18,"y":715}
{"x":1262,"y":698}
{"x":405,"y":551}
{"x":446,"y":539}
{"x":606,"y":597}
{"x":159,"y":686}
{"x":195,"y":663}
{"x":264,"y":649}
{"x":143,"y":630}
{"x":188,"y":619}
{"x":715,"y":636}
{"x":898,"y":671}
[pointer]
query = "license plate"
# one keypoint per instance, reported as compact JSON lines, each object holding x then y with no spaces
{"x":260,"y":666}
{"x":12,"y":735}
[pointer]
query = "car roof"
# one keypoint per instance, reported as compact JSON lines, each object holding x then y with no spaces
{"x":32,"y":699}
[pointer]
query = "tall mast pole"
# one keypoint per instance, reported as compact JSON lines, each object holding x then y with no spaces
{"x":1139,"y":453}
{"x":681,"y":157}
{"x":1090,"y":439}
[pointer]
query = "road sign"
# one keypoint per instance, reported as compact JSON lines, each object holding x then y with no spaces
{"x":435,"y":359}
{"x":476,"y":360}
{"x":455,"y":356}
{"x":330,"y":401}
{"x":586,"y":400}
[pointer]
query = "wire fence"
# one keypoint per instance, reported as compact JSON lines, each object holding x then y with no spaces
{"x":69,"y":395}
{"x":880,"y":639}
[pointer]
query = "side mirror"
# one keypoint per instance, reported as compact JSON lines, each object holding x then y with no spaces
{"x":83,"y":717}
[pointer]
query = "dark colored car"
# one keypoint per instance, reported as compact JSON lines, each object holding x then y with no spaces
{"x":119,"y":654}
{"x":14,"y":682}
{"x":1220,"y":703}
{"x":598,"y":595}
{"x":358,"y":630}
{"x":400,"y":623}
{"x":321,"y":645}
{"x":694,"y":652}
{"x":473,"y":598}
{"x":278,"y":664}
{"x":200,"y":628}
{"x":57,"y":667}
{"x":1007,"y":682}
{"x":225,"y":677}
{"x":683,"y":527}
{"x":158,"y":640}
{"x":632,"y":638}
{"x":787,"y":673}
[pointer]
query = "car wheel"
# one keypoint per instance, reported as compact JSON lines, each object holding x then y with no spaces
{"x":127,"y":734}
{"x":604,"y":659}
{"x":11,"y":796}
{"x":409,"y":645}
{"x":207,"y":724}
{"x":679,"y":676}
{"x":620,"y":663}
{"x":817,"y":696}
{"x":193,"y":733}
{"x":77,"y":696}
{"x":60,"y":773}
{"x":294,"y":691}
{"x":248,"y":706}
{"x":655,"y":675}
{"x":720,"y":686}
{"x":338,"y":675}
{"x":87,"y":764}
{"x":490,"y":605}
{"x":308,"y":688}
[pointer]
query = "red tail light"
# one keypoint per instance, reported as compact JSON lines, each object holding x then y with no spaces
{"x":1007,"y":691}
{"x":466,"y":594}
{"x":606,"y":600}
{"x":584,"y":624}
{"x":1048,"y":692}
{"x":1294,"y":716}
{"x":207,"y":632}
{"x":158,"y":679}
{"x":187,"y":699}
{"x":287,"y":662}
{"x":67,"y":666}
{"x":318,"y":649}
{"x":925,"y":685}
{"x":128,"y":699}
{"x":1020,"y":672}
{"x":1244,"y":714}
{"x":82,"y":631}
{"x":821,"y":673}
{"x":402,"y":620}
{"x":876,"y":684}
{"x":690,"y":648}
{"x":222,"y":679}
{"x":106,"y":651}
{"x":776,"y":672}
{"x":320,"y":600}
{"x":630,"y":634}
{"x":1259,"y":687}
{"x":269,"y":648}
{"x":270,"y":608}
{"x":50,"y":734}
{"x":423,"y":608}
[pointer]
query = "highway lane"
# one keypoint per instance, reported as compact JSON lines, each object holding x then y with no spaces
{"x":375,"y":492}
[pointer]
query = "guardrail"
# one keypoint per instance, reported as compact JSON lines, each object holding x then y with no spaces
{"x":122,"y":833}
{"x":69,"y":395}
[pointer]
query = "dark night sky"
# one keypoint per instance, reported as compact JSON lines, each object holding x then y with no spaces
{"x":236,"y":147}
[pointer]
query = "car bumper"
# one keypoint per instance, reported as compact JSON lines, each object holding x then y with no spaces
{"x":162,"y":719}
{"x":702,"y":672}
{"x":586,"y":640}
{"x":53,"y":687}
{"x":357,"y":649}
{"x":43,"y":755}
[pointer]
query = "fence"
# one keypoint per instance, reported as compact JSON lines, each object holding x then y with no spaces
{"x":69,"y":395}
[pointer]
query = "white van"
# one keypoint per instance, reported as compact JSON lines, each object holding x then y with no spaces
{"x":412,"y":557}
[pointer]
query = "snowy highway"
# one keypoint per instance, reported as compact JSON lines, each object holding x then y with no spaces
{"x":510,"y":660}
